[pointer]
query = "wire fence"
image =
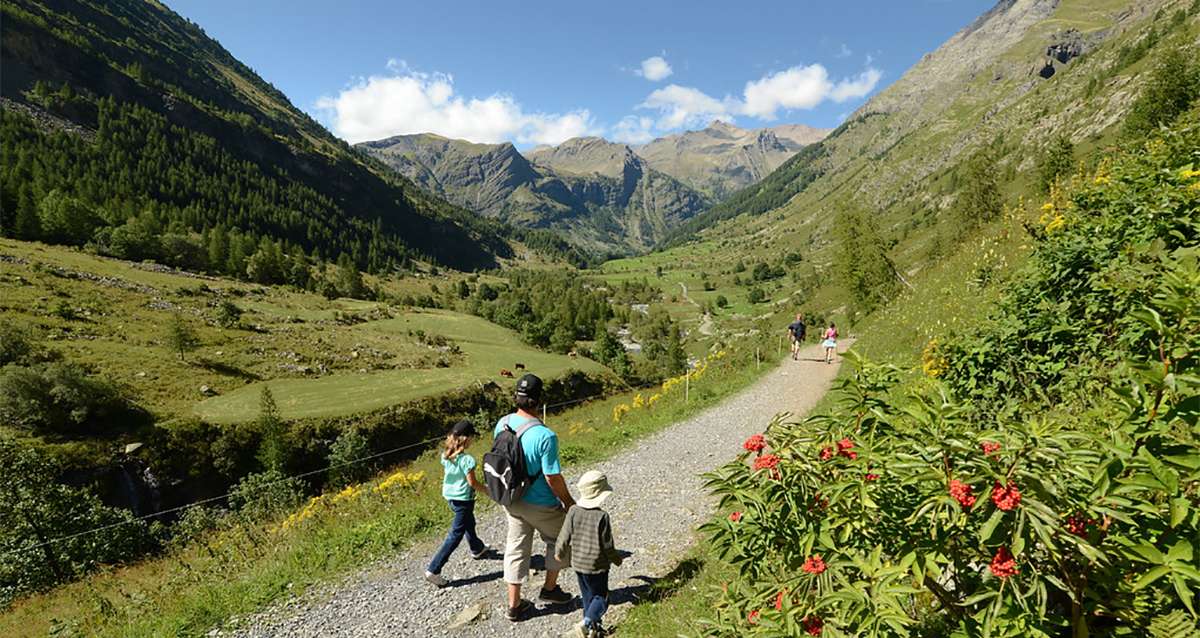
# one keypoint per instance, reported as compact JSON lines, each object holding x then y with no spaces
{"x":139,"y":519}
{"x":12,"y":551}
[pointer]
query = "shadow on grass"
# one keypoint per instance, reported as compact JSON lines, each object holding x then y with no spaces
{"x":227,"y":370}
{"x":653,"y":590}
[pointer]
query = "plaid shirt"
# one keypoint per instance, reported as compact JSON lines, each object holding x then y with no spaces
{"x":587,"y":535}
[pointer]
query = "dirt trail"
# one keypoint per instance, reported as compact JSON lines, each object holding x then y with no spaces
{"x":658,"y":503}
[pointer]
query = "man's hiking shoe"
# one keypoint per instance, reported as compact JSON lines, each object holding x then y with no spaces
{"x":556,"y":595}
{"x":520,"y":612}
{"x":436,"y":579}
{"x":481,"y":554}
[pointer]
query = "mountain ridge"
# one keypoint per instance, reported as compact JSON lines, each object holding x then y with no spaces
{"x":605,"y":195}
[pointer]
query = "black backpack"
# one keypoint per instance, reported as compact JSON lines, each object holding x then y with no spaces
{"x":504,"y":469}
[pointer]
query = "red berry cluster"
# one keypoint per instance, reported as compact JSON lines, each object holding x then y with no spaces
{"x":813,"y":625}
{"x":961,"y":492}
{"x":814,"y":565}
{"x":1003,"y":564}
{"x":755,"y":443}
{"x":871,"y":477}
{"x":1078,"y":525}
{"x":989,"y":448}
{"x":826,"y":453}
{"x":1006,"y":497}
{"x":779,"y":599}
{"x":752,"y":617}
{"x":766,"y":461}
{"x":735,"y":517}
{"x":846,"y":449}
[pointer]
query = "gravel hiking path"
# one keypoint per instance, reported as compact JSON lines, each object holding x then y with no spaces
{"x":657,"y":504}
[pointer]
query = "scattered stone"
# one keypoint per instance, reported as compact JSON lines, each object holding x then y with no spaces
{"x":207,"y":391}
{"x":473,"y":612}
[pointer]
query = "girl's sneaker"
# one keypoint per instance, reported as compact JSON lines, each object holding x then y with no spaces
{"x":436,"y":579}
{"x":481,"y":554}
{"x":596,"y":631}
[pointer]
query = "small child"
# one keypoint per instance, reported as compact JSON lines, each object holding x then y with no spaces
{"x":458,"y":487}
{"x":587,"y":535}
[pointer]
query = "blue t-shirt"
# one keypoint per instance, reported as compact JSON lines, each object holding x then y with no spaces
{"x":540,"y":445}
{"x":454,"y":482}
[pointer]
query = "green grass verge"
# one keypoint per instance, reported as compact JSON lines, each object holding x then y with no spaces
{"x":239,"y":570}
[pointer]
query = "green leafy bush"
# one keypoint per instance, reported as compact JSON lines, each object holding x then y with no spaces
{"x":1041,"y":479}
{"x":60,"y":397}
{"x":36,"y":511}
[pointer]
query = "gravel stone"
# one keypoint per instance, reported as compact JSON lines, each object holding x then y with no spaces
{"x":657,"y":504}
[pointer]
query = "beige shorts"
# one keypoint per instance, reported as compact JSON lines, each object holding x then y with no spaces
{"x":523,"y":520}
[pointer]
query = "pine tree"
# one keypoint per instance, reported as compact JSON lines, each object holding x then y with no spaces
{"x":980,"y":201}
{"x":272,"y":451}
{"x":180,"y":337}
{"x":861,"y":262}
{"x":1057,"y":161}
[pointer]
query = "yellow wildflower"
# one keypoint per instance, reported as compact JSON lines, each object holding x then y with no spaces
{"x":638,"y":401}
{"x":933,"y":364}
{"x":620,"y":411}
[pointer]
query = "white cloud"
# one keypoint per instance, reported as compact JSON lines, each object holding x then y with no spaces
{"x":633,"y":129}
{"x":852,"y":88}
{"x":680,"y":106}
{"x":407,"y":101}
{"x":845,"y":52}
{"x":655,"y":69}
{"x":800,"y":87}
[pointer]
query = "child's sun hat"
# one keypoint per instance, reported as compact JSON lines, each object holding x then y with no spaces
{"x":593,"y":489}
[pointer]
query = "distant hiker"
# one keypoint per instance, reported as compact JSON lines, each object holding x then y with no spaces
{"x":797,"y":330}
{"x":830,"y":342}
{"x":524,"y":476}
{"x":587,"y":535}
{"x":458,"y":488}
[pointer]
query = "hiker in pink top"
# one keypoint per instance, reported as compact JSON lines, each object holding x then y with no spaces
{"x":830,"y":342}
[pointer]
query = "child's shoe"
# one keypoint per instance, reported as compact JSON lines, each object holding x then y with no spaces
{"x":481,"y":554}
{"x":436,"y":579}
{"x":596,"y":631}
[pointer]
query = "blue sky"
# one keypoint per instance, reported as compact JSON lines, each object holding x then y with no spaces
{"x":536,"y":72}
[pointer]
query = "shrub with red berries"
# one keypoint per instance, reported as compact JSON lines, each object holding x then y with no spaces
{"x":814,"y":565}
{"x":756,"y":443}
{"x":1003,"y":564}
{"x":961,"y":492}
{"x":1006,"y":497}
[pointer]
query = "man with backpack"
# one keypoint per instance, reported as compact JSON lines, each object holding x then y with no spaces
{"x":797,"y":330}
{"x":523,"y":475}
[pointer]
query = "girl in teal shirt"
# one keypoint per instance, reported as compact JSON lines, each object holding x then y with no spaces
{"x":458,"y":487}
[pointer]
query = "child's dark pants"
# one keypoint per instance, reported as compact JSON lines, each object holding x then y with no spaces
{"x":593,"y":589}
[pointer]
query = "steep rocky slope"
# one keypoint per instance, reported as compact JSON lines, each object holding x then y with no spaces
{"x":1024,"y":73}
{"x":723,"y":158}
{"x":601,"y":195}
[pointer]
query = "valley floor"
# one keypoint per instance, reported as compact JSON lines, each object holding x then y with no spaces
{"x":658,"y":502}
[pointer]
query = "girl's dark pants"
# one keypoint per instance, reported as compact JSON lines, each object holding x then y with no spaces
{"x":463,"y":525}
{"x":593,"y":590}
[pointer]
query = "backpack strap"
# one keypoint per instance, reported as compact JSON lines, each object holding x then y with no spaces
{"x":525,"y":428}
{"x":522,"y":430}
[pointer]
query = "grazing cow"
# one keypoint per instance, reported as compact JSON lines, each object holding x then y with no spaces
{"x":519,"y":366}
{"x":506,"y":373}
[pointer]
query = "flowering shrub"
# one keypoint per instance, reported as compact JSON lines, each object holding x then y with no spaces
{"x":1046,"y":483}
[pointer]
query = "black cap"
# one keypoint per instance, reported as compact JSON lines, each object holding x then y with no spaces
{"x":529,"y":386}
{"x":463,"y":428}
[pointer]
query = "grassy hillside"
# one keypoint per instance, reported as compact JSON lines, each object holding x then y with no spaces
{"x":904,"y":157}
{"x":101,"y":98}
